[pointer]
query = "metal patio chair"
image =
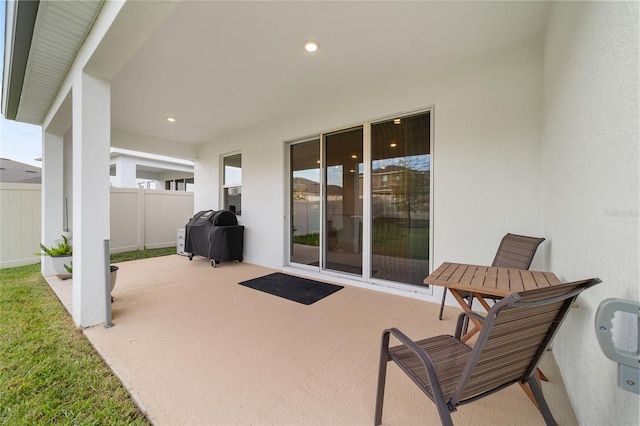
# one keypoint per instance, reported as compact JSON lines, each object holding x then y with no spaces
{"x":514,"y":251}
{"x":515,"y":334}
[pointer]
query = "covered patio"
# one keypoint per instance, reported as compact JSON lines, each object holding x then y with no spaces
{"x":532,"y":129}
{"x":194,"y":347}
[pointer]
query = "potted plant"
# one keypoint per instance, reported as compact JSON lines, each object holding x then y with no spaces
{"x":113,"y":273}
{"x":60,"y":254}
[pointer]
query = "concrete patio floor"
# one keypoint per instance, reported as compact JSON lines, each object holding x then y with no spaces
{"x":195,"y":348}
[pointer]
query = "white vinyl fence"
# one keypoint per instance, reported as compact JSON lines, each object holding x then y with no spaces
{"x":140,"y":218}
{"x":147,"y":218}
{"x":19,"y":224}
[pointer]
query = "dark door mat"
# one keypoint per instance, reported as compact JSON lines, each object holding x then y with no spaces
{"x":301,"y":290}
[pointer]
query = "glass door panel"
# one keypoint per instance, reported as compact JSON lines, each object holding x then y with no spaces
{"x":343,"y":201}
{"x":305,"y":203}
{"x":400,"y":188}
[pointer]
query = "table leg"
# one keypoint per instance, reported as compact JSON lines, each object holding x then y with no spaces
{"x":483,"y":302}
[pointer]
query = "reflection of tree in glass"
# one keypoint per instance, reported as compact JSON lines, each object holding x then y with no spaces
{"x":411,"y":187}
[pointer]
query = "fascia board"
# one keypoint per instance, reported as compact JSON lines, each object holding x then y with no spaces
{"x":20,"y":21}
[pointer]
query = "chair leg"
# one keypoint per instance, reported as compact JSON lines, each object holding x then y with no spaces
{"x":443,"y":409}
{"x":542,"y":403}
{"x":465,"y":326}
{"x":444,"y":413}
{"x":444,"y":296}
{"x":382,"y":377}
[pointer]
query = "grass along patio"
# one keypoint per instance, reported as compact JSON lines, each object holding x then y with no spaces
{"x":49,"y":372}
{"x":194,"y":347}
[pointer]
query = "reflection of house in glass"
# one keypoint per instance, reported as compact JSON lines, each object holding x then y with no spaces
{"x":400,"y":192}
{"x":306,"y":205}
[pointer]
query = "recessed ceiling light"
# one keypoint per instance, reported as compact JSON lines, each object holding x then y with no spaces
{"x":311,"y":45}
{"x":171,"y":119}
{"x":354,"y":156}
{"x":397,"y":121}
{"x":393,"y":145}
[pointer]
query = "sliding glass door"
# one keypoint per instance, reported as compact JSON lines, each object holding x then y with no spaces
{"x":343,"y":201}
{"x":400,"y":188}
{"x":305,"y":203}
{"x":360,"y":200}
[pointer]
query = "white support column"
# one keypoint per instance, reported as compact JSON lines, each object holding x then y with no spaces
{"x":125,"y":173}
{"x":91,"y":141}
{"x":52,"y":195}
{"x":68,"y":180}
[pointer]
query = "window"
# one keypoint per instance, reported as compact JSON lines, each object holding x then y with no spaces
{"x":190,"y":184}
{"x":186,"y":184}
{"x":232,"y":183}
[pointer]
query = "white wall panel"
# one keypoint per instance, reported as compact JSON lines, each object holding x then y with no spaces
{"x":147,"y":218}
{"x":164,"y":212}
{"x":125,"y":220}
{"x":19,"y":224}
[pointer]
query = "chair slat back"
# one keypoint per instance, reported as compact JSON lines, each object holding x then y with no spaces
{"x":514,"y":337}
{"x":516,"y":251}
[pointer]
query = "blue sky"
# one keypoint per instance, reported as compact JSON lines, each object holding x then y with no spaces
{"x":18,"y":141}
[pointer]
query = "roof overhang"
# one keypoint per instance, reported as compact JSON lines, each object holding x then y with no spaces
{"x":38,"y":55}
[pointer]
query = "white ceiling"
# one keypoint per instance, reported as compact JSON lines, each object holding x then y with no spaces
{"x":219,"y":67}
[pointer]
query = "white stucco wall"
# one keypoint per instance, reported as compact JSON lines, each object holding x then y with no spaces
{"x":487,"y":134}
{"x":591,"y":187}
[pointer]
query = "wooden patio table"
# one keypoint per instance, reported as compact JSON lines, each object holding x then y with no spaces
{"x":488,"y":281}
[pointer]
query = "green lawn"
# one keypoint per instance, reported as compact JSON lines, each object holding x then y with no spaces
{"x":391,"y":237}
{"x":401,"y":238}
{"x":142,"y":254}
{"x":49,"y":372}
{"x":308,"y":239}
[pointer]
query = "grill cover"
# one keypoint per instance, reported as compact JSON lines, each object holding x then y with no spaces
{"x":215,"y":235}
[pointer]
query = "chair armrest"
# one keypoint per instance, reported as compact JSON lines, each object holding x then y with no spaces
{"x":461,"y":318}
{"x":424,"y":358}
